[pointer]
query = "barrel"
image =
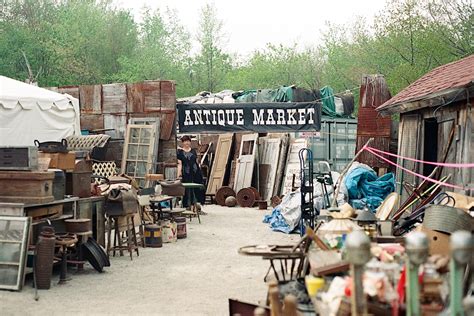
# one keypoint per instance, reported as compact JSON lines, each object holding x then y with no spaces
{"x":169,"y":231}
{"x":153,"y":236}
{"x":181,"y":227}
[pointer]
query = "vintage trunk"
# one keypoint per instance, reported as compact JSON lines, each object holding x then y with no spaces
{"x":29,"y":187}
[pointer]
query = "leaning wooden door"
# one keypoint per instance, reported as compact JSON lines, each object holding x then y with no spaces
{"x":293,"y":164}
{"x":269,"y":152}
{"x":245,"y":162}
{"x":216,"y":179}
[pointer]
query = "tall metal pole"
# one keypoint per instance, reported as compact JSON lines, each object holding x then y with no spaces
{"x":416,"y":245}
{"x":462,"y":246}
{"x":358,"y":254}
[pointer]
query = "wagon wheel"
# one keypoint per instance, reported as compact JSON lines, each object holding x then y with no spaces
{"x":222,"y":194}
{"x":255,"y":191}
{"x":246,"y":197}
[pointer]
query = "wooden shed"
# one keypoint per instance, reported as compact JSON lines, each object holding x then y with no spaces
{"x":436,"y":124}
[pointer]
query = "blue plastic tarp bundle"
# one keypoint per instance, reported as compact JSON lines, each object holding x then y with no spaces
{"x":364,"y":188}
{"x":277,"y":222}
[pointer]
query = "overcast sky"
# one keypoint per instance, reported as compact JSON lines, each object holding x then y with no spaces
{"x":251,"y":24}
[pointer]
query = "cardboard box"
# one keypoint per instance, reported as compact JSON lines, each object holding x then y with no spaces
{"x":64,"y":161}
{"x":438,"y":242}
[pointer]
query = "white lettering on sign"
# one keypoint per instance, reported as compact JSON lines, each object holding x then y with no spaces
{"x":221,"y":117}
{"x":310,"y":115}
{"x":240,"y":116}
{"x":291,"y":117}
{"x":302,"y":116}
{"x":187,"y":118}
{"x":230,"y":116}
{"x":281,"y":117}
{"x":198,"y":117}
{"x":207,"y":113}
{"x":258,"y":117}
{"x":270,"y":119}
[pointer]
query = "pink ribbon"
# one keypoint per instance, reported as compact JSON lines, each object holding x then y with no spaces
{"x":369,"y":149}
{"x":441,"y":164}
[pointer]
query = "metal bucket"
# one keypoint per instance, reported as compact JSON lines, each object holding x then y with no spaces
{"x":181,"y":227}
{"x":153,"y":236}
{"x":169,"y":230}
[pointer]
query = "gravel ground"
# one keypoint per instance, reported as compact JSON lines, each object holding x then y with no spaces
{"x":195,"y":276}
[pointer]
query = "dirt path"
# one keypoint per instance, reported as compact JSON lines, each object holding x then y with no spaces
{"x":194,"y":276}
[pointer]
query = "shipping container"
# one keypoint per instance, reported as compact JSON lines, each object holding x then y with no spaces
{"x":335,"y":143}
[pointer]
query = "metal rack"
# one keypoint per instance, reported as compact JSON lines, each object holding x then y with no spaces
{"x":306,"y":189}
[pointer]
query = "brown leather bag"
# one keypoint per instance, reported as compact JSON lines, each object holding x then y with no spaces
{"x":172,"y":188}
{"x":121,"y":201}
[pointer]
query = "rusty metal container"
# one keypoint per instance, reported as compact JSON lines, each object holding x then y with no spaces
{"x":153,"y":236}
{"x":81,"y":225}
{"x":78,"y":182}
{"x":59,"y":184}
{"x":181,"y":227}
{"x":43,"y":267}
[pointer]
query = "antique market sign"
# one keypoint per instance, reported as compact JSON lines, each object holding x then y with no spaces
{"x":253,"y":117}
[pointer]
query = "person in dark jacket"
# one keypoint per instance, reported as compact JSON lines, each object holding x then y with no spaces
{"x":189,"y":171}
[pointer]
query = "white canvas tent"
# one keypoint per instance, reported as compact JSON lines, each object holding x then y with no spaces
{"x":28,"y":112}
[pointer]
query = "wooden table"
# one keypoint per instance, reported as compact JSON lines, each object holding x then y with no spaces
{"x":156,"y":207}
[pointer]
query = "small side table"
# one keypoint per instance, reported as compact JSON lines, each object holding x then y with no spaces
{"x":192,"y":200}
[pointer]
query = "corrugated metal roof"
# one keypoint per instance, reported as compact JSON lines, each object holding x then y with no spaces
{"x":456,"y":74}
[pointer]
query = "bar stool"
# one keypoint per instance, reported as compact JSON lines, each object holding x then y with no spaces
{"x":123,"y":240}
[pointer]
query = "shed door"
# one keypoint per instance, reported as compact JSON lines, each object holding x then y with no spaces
{"x":408,"y":146}
{"x":245,"y":162}
{"x":216,"y":179}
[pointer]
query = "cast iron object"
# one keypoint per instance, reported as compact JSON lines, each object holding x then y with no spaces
{"x":81,"y":225}
{"x":275,"y":201}
{"x":44,"y":260}
{"x":230,"y":201}
{"x":95,"y":255}
{"x":52,"y":147}
{"x":100,"y":250}
{"x":256,"y":193}
{"x":262,"y":204}
{"x":65,"y":239}
{"x":246,"y":197}
{"x":222,"y":194}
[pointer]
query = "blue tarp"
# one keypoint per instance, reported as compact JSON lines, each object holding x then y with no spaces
{"x":365,"y":188}
{"x":277,"y":222}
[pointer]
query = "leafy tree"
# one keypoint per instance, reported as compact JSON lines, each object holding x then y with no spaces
{"x":212,"y":63}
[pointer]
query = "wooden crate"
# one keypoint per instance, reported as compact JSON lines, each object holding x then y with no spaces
{"x":63,"y":161}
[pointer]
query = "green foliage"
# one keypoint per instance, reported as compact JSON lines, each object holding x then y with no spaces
{"x":69,"y":42}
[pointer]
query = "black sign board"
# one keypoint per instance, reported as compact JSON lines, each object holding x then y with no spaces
{"x":253,"y":117}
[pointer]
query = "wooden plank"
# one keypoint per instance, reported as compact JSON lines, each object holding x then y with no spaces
{"x":117,"y":123}
{"x":246,"y":162}
{"x":114,"y":98}
{"x":216,"y":179}
{"x":71,"y":90}
{"x":168,"y":94}
{"x":235,"y":155}
{"x":281,"y":162}
{"x":269,"y":154}
{"x":293,"y":164}
{"x":92,"y":121}
{"x":90,"y":99}
{"x":408,"y":146}
{"x":135,"y":100}
{"x":151,"y":96}
{"x":168,"y":125}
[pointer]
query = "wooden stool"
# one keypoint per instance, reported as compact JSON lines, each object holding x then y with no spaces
{"x":127,"y":241}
